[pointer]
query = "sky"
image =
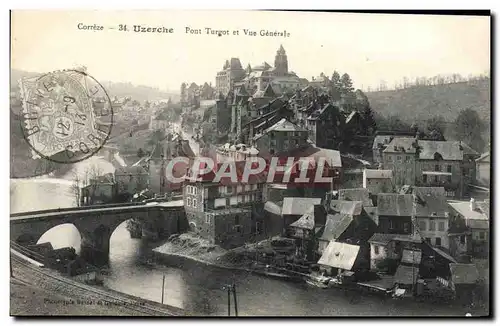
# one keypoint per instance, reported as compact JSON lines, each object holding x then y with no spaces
{"x":369,"y":47}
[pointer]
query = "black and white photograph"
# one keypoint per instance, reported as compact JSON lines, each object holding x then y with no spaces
{"x":250,"y":163}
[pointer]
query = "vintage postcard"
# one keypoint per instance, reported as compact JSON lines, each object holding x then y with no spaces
{"x":249,"y":163}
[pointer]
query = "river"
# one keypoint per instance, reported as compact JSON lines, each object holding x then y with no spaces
{"x":199,"y":288}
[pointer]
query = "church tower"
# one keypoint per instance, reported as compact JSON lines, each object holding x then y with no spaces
{"x":281,"y":62}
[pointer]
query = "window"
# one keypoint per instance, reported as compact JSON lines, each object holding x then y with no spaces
{"x":195,"y":190}
{"x":462,"y":239}
{"x":408,"y":158}
{"x":432,"y":226}
{"x":229,"y":190}
{"x":437,"y":168}
{"x":189,"y":202}
{"x":398,"y":158}
{"x":482,"y":236}
{"x":208,"y":218}
{"x":391,"y":225}
{"x":236,"y":220}
{"x":421,"y":225}
{"x":194,"y":203}
{"x":273,"y":142}
{"x":448,"y":178}
{"x":441,"y":226}
{"x":448,"y":168}
{"x":428,"y":240}
{"x":424,"y":178}
{"x":436,"y":179}
{"x":286,"y":143}
{"x":406,"y":227}
{"x":376,"y":250}
{"x":438,"y":241}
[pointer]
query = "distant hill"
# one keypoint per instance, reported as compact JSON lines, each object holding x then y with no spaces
{"x":422,"y":102}
{"x":136,"y":92}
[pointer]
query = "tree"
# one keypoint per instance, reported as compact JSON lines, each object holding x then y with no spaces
{"x":468,"y":127}
{"x":336,"y":86}
{"x":147,"y":104}
{"x":362,"y":105}
{"x":346,"y":84}
{"x":183,"y":94}
{"x":435,"y":128}
{"x":140,"y":153}
{"x":135,"y":103}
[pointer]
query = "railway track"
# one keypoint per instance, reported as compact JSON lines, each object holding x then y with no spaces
{"x":84,"y":294}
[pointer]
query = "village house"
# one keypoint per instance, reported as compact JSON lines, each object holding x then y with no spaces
{"x":356,"y":194}
{"x":378,"y":181}
{"x":386,"y":250}
{"x":463,"y":280}
{"x":100,"y":190}
{"x":339,"y":257}
{"x":382,"y":140}
{"x":470,"y":234}
{"x":395,"y":213}
{"x":448,"y":164}
{"x":483,"y":170}
{"x":352,"y":171}
{"x":325,"y":125}
{"x":431,"y":214}
{"x":131,"y":180}
{"x":400,"y":157}
{"x":306,"y":229}
{"x":282,"y":137}
{"x":294,"y":208}
{"x":348,"y":222}
{"x":225,"y":212}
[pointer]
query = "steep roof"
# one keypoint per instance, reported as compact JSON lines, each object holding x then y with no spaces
{"x":356,"y":194}
{"x":406,"y":275}
{"x":449,"y":150}
{"x":314,"y":216}
{"x":382,"y":238}
{"x":413,"y":257}
{"x":353,"y":208}
{"x":394,"y":204}
{"x":430,"y":202}
{"x":284,"y":125}
{"x":335,"y":225}
{"x":476,"y":219}
{"x":464,"y":273}
{"x":339,"y":255}
{"x":401,"y":145}
{"x":298,"y":205}
{"x":272,"y":207}
{"x":484,"y":158}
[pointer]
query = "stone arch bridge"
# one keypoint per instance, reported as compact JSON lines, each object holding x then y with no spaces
{"x":97,"y":223}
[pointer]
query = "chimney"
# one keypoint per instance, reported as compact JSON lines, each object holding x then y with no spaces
{"x":472,"y":204}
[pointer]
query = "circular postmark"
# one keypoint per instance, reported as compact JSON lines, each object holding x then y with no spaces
{"x":67,"y":115}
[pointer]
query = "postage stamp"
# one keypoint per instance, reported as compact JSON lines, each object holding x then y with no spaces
{"x":67,"y":115}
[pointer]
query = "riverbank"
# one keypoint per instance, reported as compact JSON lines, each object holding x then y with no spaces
{"x":37,"y":291}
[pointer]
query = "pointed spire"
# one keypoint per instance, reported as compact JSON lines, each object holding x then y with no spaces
{"x":242,"y":91}
{"x":281,"y":50}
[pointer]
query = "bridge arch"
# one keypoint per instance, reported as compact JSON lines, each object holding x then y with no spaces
{"x":62,"y":235}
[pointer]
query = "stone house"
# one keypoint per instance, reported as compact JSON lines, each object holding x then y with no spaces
{"x":471,"y":228}
{"x":131,"y":179}
{"x":390,"y":247}
{"x":432,"y":216}
{"x":400,"y":156}
{"x":483,"y":170}
{"x":448,"y":164}
{"x":227,"y":213}
{"x":377,"y":181}
{"x":294,"y":208}
{"x":339,"y":257}
{"x":395,"y":213}
{"x":282,"y":137}
{"x":306,"y":229}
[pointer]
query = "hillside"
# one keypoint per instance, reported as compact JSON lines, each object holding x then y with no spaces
{"x":136,"y":92}
{"x":422,"y":102}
